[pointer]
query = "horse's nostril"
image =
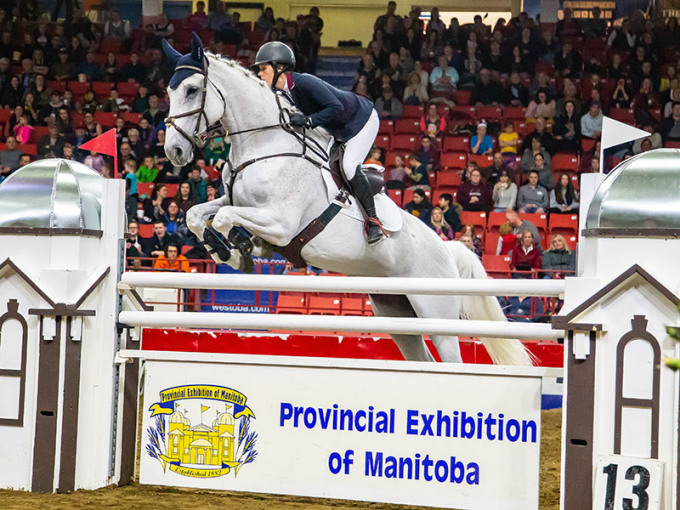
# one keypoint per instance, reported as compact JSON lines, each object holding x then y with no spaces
{"x":179,"y":153}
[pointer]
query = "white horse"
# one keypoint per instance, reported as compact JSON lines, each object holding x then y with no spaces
{"x":275,"y":198}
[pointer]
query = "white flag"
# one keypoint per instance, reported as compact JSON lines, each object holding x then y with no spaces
{"x":615,"y":133}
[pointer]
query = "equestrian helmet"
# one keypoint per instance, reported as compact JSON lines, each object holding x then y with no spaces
{"x":275,"y":53}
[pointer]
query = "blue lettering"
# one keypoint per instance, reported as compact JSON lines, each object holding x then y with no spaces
{"x":373,"y":467}
{"x":412,"y":422}
{"x":286,"y":413}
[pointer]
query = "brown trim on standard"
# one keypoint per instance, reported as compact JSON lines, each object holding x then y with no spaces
{"x":13,"y":314}
{"x":559,"y":322}
{"x":580,"y":406}
{"x":69,"y":420}
{"x":638,"y":332}
{"x":62,"y":310}
{"x":140,"y":301}
{"x":84,"y":232}
{"x":92,"y":287}
{"x":8,"y":263}
{"x":45,"y":441}
{"x":128,"y":428}
{"x":628,"y":273}
{"x":630,"y":232}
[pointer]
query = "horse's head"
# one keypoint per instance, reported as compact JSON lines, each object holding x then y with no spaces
{"x":195,"y":107}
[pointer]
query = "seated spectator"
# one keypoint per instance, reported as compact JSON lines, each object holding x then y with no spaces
{"x":196,"y":21}
{"x":568,"y":130}
{"x":163,"y":27}
{"x":420,"y":206}
{"x":525,"y":256}
{"x":198,"y":186}
{"x":429,"y":156}
{"x":451,"y":213}
{"x":388,"y":106}
{"x":439,"y":225}
{"x":504,"y":193}
{"x":476,"y":242}
{"x":416,"y":174}
{"x":95,"y":161}
{"x":146,"y":133}
{"x":646,"y":98}
{"x":519,"y":63}
{"x":64,"y":123}
{"x":568,"y":62}
{"x":532,"y":197}
{"x":474,"y":195}
{"x":133,"y":71}
{"x":590,"y":166}
{"x":175,"y":222}
{"x":616,"y":70}
{"x":564,"y":198}
{"x":595,"y":26}
{"x":10,"y":157}
{"x":375,"y":156}
{"x":646,"y":71}
{"x":655,"y":140}
{"x":183,"y":197}
{"x":487,"y":92}
{"x":491,"y":174}
{"x":117,"y":29}
{"x":569,"y":93}
{"x":130,"y":175}
{"x":545,"y":175}
{"x":13,"y":121}
{"x":114,"y":103}
{"x":415,"y":92}
{"x":432,"y":124}
{"x":481,"y":143}
{"x":670,"y":126}
{"x":529,"y":158}
{"x":155,"y":205}
{"x":541,"y":107}
{"x":522,"y":308}
{"x":547,"y":140}
{"x":444,"y":78}
{"x":516,"y":94}
{"x":52,"y":144}
{"x":591,"y":122}
{"x":395,"y":176}
{"x":11,"y":96}
{"x":508,"y":140}
{"x":110,"y":71}
{"x":157,"y":151}
{"x":542,"y":82}
{"x":64,"y":69}
{"x":49,"y":112}
{"x":89,"y":67}
{"x":559,"y":259}
{"x":68,"y":151}
{"x":22,"y":130}
{"x":141,"y":102}
{"x":506,"y":240}
{"x":134,"y":240}
{"x":154,"y":115}
{"x":170,"y":260}
{"x":466,"y":240}
{"x":519,"y":225}
{"x":217,"y":149}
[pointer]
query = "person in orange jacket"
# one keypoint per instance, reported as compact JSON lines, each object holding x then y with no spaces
{"x":172,"y":260}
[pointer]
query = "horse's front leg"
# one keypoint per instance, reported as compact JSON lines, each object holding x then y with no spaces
{"x":197,"y":218}
{"x":269,"y":224}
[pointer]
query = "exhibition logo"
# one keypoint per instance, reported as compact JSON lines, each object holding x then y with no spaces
{"x":184,"y":438}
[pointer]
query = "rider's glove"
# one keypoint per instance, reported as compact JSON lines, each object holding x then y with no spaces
{"x":300,"y":120}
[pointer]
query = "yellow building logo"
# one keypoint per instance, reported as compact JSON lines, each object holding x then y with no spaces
{"x":208,"y":448}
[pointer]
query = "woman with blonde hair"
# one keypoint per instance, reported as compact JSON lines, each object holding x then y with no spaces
{"x":439,"y":224}
{"x":476,"y":241}
{"x":416,"y":92}
{"x":559,"y":258}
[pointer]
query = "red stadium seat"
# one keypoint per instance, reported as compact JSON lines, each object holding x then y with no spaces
{"x":514,"y":113}
{"x":497,"y":266}
{"x":56,"y":85}
{"x":78,"y":88}
{"x":565,"y":224}
{"x":5,"y":114}
{"x":478,"y":219}
{"x":495,"y":220}
{"x":587,"y":144}
{"x":323,"y":305}
{"x":352,"y":306}
{"x":383,"y":141}
{"x":626,"y":115}
{"x":448,"y":179}
{"x":465,"y":112}
{"x":407,"y":126}
{"x":574,"y":182}
{"x":145,"y":188}
{"x":131,"y":117}
{"x":489,"y":113}
{"x":457,"y":144}
{"x":413,"y":111}
{"x":38,"y":131}
{"x":538,"y":219}
{"x":126,"y":88}
{"x":441,"y":190}
{"x":145,"y":230}
{"x":288,"y":304}
{"x":172,"y":189}
{"x":404,"y":142}
{"x":110,"y":46}
{"x":28,"y":148}
{"x":463,"y":97}
{"x":491,"y":243}
{"x":453,"y":160}
{"x":481,"y":160}
{"x":396,"y":195}
{"x":565,"y":162}
{"x":386,"y":126}
{"x":102,"y":88}
{"x":106,"y":119}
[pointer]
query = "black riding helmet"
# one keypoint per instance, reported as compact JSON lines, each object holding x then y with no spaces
{"x":276,"y":53}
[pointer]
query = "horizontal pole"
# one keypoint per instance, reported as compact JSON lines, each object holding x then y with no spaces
{"x":385,"y":325}
{"x":350,"y":284}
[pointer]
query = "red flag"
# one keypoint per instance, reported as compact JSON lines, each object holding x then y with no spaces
{"x":105,"y":144}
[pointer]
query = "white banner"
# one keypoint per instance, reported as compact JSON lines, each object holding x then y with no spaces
{"x":394,"y":432}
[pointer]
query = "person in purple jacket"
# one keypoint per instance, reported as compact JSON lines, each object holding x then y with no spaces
{"x":350,"y":118}
{"x":475,"y":195}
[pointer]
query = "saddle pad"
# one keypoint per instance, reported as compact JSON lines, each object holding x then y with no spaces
{"x":388,"y":212}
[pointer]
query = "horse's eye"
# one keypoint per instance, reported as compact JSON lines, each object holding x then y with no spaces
{"x":192,"y":91}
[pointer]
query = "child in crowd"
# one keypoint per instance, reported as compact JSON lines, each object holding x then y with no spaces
{"x":397,"y":174}
{"x":375,"y":157}
{"x":508,"y":142}
{"x":130,"y":174}
{"x":217,"y":149}
{"x":507,"y":240}
{"x":23,"y":130}
{"x":95,"y":161}
{"x":148,"y":171}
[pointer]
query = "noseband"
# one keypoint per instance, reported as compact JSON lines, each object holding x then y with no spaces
{"x":200,"y":139}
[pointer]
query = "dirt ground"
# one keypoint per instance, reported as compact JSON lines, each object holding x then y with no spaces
{"x":147,"y":497}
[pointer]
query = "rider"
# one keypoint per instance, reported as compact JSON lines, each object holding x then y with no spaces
{"x":350,"y":118}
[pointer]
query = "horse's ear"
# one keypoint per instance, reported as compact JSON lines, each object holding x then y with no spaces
{"x":171,"y":53}
{"x":197,"y":51}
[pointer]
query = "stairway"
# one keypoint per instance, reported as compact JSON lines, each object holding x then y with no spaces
{"x":337,"y":70}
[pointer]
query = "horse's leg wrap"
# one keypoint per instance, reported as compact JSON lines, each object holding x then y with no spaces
{"x":214,"y":243}
{"x":240,"y":240}
{"x":362,"y":191}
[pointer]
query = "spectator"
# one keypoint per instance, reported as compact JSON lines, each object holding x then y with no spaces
{"x":183,"y":198}
{"x":541,"y":107}
{"x":568,"y":130}
{"x":564,"y":198}
{"x":388,"y":106}
{"x":133,"y":71}
{"x":475,"y":241}
{"x":568,"y":62}
{"x":154,"y":115}
{"x":504,"y":193}
{"x":163,"y":27}
{"x":443,"y":78}
{"x":529,"y":157}
{"x":591,"y":122}
{"x":655,"y":140}
{"x":114,"y":103}
{"x":416,"y":174}
{"x":522,"y":308}
{"x":22,"y":130}
{"x":670,"y":126}
{"x":171,"y":260}
{"x":156,"y":244}
{"x":424,"y":75}
{"x":49,"y":112}
{"x":266,"y":21}
{"x":439,"y":224}
{"x":92,"y":128}
{"x":474,"y":195}
{"x":154,"y":206}
{"x":491,"y":174}
{"x":198,"y":186}
{"x":157,"y":151}
{"x":481,"y":143}
{"x":148,"y":171}
{"x":450,"y":212}
{"x":217,"y":149}
{"x":117,"y":29}
{"x":381,"y":21}
{"x":646,"y":98}
{"x":568,"y":26}
{"x":419,"y":206}
{"x":368,"y":69}
{"x":415,"y":92}
{"x":11,"y":97}
{"x":218,"y":21}
{"x":525,"y":256}
{"x":532,"y":197}
{"x":487,"y":92}
{"x":615,"y":71}
{"x":375,"y":157}
{"x":64,"y":69}
{"x":68,"y":151}
{"x":519,"y":63}
{"x":519,"y":225}
{"x":466,"y":240}
{"x":136,"y":145}
{"x":52,"y":144}
{"x":90,"y":68}
{"x":545,"y":175}
{"x":134,"y":240}
{"x":559,"y":259}
{"x":506,"y":240}
{"x":516,"y":94}
{"x":10,"y":157}
{"x":95,"y":161}
{"x":432,"y":124}
{"x":110,"y":70}
{"x":570,"y":93}
{"x":429,"y":156}
{"x":175,"y":222}
{"x":508,"y":141}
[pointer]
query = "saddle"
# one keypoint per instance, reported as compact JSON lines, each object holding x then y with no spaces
{"x":376,"y":177}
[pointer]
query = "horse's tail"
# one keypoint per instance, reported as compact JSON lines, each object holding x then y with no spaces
{"x":503,"y":351}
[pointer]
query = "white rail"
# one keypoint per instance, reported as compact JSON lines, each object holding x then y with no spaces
{"x":352,"y":284}
{"x":386,"y":325}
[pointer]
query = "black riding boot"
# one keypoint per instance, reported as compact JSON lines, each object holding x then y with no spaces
{"x":362,"y":191}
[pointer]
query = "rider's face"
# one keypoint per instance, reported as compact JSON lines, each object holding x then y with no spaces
{"x":266,"y":73}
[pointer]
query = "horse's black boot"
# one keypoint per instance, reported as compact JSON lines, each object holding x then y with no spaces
{"x":361,"y":189}
{"x":214,"y":243}
{"x":238,"y":237}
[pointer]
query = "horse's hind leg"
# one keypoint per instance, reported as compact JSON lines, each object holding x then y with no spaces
{"x":440,"y":307}
{"x":412,"y":347}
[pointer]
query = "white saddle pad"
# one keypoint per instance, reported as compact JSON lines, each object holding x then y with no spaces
{"x":388,"y":212}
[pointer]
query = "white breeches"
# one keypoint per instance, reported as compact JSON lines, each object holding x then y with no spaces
{"x":358,"y":147}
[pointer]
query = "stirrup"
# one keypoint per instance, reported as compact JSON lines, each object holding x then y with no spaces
{"x":375,"y":221}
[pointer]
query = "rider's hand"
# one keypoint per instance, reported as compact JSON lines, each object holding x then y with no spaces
{"x":300,"y":120}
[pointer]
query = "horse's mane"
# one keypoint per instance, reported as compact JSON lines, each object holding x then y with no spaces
{"x":235,"y":65}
